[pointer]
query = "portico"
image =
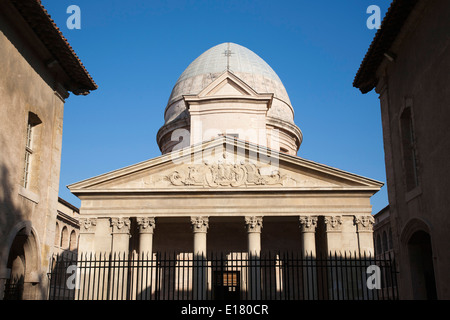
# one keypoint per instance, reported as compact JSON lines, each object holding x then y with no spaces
{"x":330,"y":209}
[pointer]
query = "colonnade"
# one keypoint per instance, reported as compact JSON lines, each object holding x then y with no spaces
{"x":120,"y":231}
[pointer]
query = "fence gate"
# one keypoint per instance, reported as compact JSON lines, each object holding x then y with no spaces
{"x":227,"y":285}
{"x":222,"y":276}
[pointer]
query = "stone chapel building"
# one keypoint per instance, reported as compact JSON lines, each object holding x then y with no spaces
{"x":229,"y":178}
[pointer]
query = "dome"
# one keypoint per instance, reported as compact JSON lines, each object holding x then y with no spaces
{"x":224,"y":113}
{"x":242,"y":62}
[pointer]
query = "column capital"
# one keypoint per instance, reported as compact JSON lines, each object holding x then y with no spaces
{"x":333,"y":223}
{"x":308,"y":223}
{"x":120,"y":225}
{"x":254,"y":223}
{"x":364,"y":223}
{"x":200,"y":224}
{"x":146,"y":224}
{"x":87,"y":225}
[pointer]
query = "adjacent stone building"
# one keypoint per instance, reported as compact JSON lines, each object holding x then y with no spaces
{"x":67,"y":228}
{"x":382,"y":234}
{"x":408,"y":65}
{"x":38,"y":70}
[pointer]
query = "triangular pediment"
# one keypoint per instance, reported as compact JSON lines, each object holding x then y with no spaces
{"x":228,"y":85}
{"x":225,"y":164}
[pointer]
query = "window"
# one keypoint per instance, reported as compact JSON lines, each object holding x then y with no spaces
{"x":227,"y":285}
{"x":409,"y":149}
{"x":28,"y":153}
{"x":73,"y":241}
{"x":33,"y":120}
{"x":64,"y":238}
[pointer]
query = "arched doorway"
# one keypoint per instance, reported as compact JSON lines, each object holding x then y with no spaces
{"x":22,"y":263}
{"x":421,"y":266}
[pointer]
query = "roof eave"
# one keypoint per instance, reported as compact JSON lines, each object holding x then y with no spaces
{"x":396,"y":16}
{"x":37,"y":17}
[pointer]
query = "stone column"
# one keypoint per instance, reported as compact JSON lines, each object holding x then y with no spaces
{"x":85,"y":251}
{"x":120,"y":235}
{"x":120,"y":246}
{"x":87,"y":235}
{"x":200,"y":271}
{"x":364,"y":228}
{"x":145,"y":269}
{"x":200,"y":227}
{"x":308,"y":226}
{"x":146,"y":227}
{"x":333,"y":228}
{"x":254,"y":226}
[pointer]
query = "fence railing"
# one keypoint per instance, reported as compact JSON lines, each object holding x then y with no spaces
{"x":219,"y":276}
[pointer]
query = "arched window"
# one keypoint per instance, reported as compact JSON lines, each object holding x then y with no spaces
{"x":30,"y":148}
{"x":64,"y":238}
{"x":73,"y":241}
{"x":409,"y":149}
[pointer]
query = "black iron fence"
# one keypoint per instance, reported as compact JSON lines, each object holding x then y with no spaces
{"x":184,"y":276}
{"x":13,"y":288}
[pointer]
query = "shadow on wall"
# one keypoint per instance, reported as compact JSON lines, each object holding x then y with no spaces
{"x":20,"y":276}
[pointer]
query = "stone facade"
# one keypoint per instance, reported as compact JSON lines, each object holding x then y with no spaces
{"x":37,"y":75}
{"x":382,"y":234}
{"x":407,"y":65}
{"x":67,"y":228}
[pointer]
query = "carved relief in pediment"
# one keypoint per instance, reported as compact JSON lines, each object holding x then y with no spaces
{"x":221,"y":174}
{"x":225,"y":175}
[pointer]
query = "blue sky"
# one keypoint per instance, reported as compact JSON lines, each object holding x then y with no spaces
{"x":136,"y":50}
